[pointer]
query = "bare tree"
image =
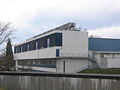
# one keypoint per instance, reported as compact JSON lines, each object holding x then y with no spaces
{"x":5,"y":31}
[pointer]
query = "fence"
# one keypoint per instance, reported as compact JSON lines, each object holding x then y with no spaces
{"x":53,"y":81}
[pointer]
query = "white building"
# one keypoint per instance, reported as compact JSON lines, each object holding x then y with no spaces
{"x":106,"y":52}
{"x":66,"y":49}
{"x":63,"y":49}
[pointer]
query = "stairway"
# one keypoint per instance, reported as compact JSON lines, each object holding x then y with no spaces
{"x":93,"y":61}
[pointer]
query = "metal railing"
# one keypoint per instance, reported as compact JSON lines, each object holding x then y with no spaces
{"x":73,"y":55}
{"x":94,"y":61}
{"x":110,"y":57}
{"x":81,"y":68}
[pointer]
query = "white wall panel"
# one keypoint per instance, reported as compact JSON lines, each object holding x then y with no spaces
{"x":113,"y":63}
{"x":75,"y":42}
{"x":71,"y":65}
{"x":36,"y":54}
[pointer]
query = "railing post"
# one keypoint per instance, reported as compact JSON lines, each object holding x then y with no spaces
{"x":64,"y":66}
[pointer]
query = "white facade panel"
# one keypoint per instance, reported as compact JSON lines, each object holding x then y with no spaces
{"x":71,"y":65}
{"x":106,"y":59}
{"x":75,"y":42}
{"x":36,"y":54}
{"x":38,"y":68}
{"x":95,"y":56}
{"x":75,"y":65}
{"x":113,"y":63}
{"x":59,"y":66}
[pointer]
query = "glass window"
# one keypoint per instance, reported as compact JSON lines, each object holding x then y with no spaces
{"x":44,"y":42}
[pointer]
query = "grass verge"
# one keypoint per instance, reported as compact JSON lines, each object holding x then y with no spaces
{"x":102,"y":71}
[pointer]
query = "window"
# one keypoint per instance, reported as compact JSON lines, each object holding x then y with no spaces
{"x":51,"y":40}
{"x":28,"y":47}
{"x":15,"y":50}
{"x":36,"y":45}
{"x":57,"y":52}
{"x":32,"y":45}
{"x":24,"y":47}
{"x":58,"y":39}
{"x":18,"y":49}
{"x":48,"y":42}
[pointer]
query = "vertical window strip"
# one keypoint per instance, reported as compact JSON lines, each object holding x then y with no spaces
{"x":21,"y":49}
{"x":36,"y":45}
{"x":28,"y":47}
{"x":48,"y":42}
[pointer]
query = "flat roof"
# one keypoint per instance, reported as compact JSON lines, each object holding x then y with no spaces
{"x":68,"y":26}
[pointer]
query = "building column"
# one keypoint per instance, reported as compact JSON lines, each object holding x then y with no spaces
{"x":64,"y":66}
{"x":16,"y":65}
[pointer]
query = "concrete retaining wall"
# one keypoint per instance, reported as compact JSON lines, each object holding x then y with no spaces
{"x":51,"y":81}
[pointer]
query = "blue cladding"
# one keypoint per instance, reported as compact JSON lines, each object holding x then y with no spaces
{"x":103,"y":44}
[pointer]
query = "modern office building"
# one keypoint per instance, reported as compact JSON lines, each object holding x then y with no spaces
{"x":63,"y":49}
{"x":66,"y":49}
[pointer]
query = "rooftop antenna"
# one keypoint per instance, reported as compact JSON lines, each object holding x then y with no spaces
{"x":67,"y":26}
{"x":80,"y":28}
{"x":85,"y":29}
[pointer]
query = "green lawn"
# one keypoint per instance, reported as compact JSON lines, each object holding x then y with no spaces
{"x":102,"y":71}
{"x":2,"y":89}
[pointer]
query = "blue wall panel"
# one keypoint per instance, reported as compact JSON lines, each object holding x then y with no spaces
{"x":57,"y":52}
{"x":103,"y":44}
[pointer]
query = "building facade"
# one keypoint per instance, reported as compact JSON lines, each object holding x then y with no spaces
{"x":59,"y":50}
{"x":106,"y":52}
{"x":66,"y":49}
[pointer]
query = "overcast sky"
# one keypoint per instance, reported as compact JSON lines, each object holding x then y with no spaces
{"x":31,"y":17}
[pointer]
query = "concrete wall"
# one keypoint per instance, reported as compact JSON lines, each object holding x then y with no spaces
{"x":51,"y":81}
{"x":75,"y":42}
{"x":37,"y":69}
{"x":96,"y":56}
{"x":71,"y":65}
{"x":113,"y":63}
{"x":108,"y":61}
{"x":104,"y":63}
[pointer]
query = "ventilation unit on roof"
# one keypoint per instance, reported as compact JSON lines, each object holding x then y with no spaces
{"x":67,"y":26}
